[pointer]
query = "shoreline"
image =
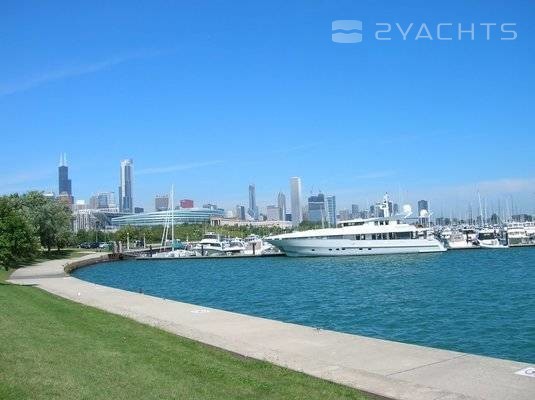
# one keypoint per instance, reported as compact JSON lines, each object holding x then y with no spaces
{"x":375,"y":366}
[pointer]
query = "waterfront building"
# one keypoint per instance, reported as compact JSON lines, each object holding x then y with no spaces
{"x":186,"y":203}
{"x":331,"y":210}
{"x":161,"y":202}
{"x":273,"y":213}
{"x":288,"y":216}
{"x":371,"y":213}
{"x":395,"y":209}
{"x":64,"y":183}
{"x":295,"y":194}
{"x":210,"y":206}
{"x":281,"y":203}
{"x":139,"y":210}
{"x":253,"y":208}
{"x":126,"y":200}
{"x":316,"y":208}
{"x":181,"y":216}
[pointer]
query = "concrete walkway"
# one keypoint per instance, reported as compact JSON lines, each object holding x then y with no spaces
{"x":389,"y":369}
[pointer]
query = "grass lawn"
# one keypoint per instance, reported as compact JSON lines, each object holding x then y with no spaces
{"x":52,"y":348}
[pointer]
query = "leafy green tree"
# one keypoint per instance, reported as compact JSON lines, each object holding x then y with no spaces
{"x":52,"y":219}
{"x":18,"y":239}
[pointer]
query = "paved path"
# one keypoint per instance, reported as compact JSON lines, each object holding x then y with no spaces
{"x":389,"y":369}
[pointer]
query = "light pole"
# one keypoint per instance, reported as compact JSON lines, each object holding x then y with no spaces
{"x":127,"y":240}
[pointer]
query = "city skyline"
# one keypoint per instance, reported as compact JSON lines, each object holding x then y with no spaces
{"x":353,"y":120}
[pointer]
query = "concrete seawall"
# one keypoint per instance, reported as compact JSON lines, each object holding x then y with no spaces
{"x":385,"y":368}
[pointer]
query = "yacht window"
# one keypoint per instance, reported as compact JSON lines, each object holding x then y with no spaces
{"x":360,"y":248}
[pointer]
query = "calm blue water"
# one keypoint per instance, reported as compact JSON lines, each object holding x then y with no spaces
{"x":476,"y":301}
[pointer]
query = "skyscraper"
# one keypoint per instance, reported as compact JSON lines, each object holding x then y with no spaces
{"x":331,"y":210}
{"x":281,"y":203}
{"x":253,"y":209}
{"x":316,"y":208}
{"x":273,"y":213}
{"x":64,"y":183}
{"x":126,"y":199}
{"x":354,"y":210}
{"x":295,"y":194}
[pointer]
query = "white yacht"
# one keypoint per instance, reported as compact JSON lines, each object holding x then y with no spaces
{"x":488,"y":238}
{"x":210,"y":245}
{"x":520,"y":234}
{"x":465,"y":238}
{"x":383,"y":235}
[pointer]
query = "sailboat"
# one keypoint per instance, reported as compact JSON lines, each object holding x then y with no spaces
{"x":177,"y":249}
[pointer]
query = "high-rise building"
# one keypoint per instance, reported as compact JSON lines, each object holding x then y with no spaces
{"x":161,"y":202}
{"x":139,"y":210}
{"x":317,"y":211}
{"x":126,"y":199}
{"x":295,"y":194}
{"x":186,"y":203}
{"x":354,"y":210}
{"x":281,"y":203}
{"x":253,"y":209}
{"x":331,"y":210}
{"x":64,"y":183}
{"x":396,"y":209}
{"x":240,"y":212}
{"x":273,"y":213}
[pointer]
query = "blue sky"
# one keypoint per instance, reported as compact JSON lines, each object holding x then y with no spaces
{"x":214,"y":95}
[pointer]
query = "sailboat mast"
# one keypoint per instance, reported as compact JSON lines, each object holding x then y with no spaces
{"x":173,"y":217}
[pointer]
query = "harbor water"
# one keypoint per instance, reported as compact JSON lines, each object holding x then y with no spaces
{"x":474,"y":301}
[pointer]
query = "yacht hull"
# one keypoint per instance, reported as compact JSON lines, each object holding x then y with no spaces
{"x":345,"y":247}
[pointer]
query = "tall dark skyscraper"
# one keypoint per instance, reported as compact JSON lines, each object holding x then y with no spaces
{"x":126,"y":199}
{"x":64,"y":183}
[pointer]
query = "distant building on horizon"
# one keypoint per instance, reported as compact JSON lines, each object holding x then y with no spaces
{"x":102,"y":200}
{"x":186,"y":203}
{"x":331,"y":210}
{"x":295,"y":195}
{"x":345,"y":215}
{"x":161,"y":202}
{"x":317,"y":211}
{"x":126,"y":199}
{"x":281,"y":203}
{"x":240,"y":212}
{"x":253,"y":208}
{"x":273,"y":213}
{"x":354,"y":210}
{"x":423,"y":205}
{"x":64,"y":183}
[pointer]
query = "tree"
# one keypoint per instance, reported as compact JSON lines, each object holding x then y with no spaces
{"x":18,"y":239}
{"x":52,"y":219}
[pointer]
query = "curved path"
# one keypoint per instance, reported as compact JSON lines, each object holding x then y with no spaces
{"x":385,"y":368}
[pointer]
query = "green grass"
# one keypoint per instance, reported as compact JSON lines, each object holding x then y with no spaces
{"x":54,"y":348}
